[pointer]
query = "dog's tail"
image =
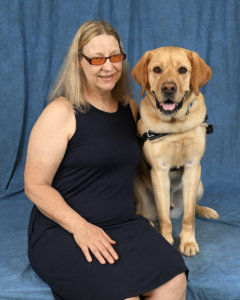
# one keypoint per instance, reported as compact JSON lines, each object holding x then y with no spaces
{"x":206,"y":212}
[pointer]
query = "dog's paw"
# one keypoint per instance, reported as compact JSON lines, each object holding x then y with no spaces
{"x":206,"y":212}
{"x":189,"y":248}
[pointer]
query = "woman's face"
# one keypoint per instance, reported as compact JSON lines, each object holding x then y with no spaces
{"x":101,"y":79}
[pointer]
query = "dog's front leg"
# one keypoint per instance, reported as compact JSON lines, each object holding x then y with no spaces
{"x":161,"y":187}
{"x":191,"y":178}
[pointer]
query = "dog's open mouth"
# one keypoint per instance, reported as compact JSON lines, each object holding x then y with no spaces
{"x":168,"y":105}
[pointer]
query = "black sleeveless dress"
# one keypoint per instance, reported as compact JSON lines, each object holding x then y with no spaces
{"x":96,"y":179}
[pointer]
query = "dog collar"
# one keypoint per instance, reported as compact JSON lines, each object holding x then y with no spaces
{"x":188,"y":108}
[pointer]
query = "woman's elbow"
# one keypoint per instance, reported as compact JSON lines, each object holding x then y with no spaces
{"x":28,"y":187}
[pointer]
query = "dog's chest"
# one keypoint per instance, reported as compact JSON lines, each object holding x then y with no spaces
{"x":175,"y":151}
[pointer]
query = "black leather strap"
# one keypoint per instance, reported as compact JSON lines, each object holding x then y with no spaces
{"x":150,"y":135}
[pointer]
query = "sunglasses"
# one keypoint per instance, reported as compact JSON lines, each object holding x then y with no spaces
{"x":101,"y":60}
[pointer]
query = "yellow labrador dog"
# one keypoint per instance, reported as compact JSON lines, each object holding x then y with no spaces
{"x":173,"y":126}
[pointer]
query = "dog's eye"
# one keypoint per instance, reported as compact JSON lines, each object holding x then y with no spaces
{"x":182,"y":70}
{"x":157,"y":70}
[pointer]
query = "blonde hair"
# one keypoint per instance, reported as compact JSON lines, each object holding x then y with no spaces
{"x":70,"y":82}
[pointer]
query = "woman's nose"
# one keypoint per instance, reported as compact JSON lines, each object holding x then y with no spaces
{"x":108,"y":65}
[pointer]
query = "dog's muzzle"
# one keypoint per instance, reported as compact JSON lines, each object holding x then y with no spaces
{"x":168,"y":107}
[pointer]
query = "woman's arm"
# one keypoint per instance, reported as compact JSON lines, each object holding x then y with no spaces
{"x":47,"y":145}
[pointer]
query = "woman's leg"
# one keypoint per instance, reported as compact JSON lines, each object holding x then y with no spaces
{"x":174,"y":289}
{"x":133,"y":298}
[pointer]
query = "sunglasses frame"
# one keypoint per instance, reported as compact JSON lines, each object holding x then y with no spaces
{"x":105,"y":59}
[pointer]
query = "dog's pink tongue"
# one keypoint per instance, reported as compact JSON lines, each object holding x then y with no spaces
{"x":168,"y":106}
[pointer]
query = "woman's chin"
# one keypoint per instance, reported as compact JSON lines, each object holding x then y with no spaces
{"x":108,"y":86}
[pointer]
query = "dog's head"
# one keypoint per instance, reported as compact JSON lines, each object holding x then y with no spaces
{"x":169,"y":74}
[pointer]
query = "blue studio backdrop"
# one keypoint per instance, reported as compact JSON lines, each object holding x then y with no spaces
{"x":34,"y":39}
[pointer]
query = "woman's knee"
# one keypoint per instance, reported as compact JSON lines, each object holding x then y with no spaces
{"x":133,"y":298}
{"x":179,"y":282}
{"x":175,"y":286}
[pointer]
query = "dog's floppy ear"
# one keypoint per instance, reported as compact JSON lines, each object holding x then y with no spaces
{"x":201,"y":72}
{"x":140,"y":71}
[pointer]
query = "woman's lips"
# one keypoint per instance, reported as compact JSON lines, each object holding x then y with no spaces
{"x":106,"y":78}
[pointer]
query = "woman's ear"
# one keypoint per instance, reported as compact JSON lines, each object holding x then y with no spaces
{"x":140,"y":70}
{"x":201,"y":72}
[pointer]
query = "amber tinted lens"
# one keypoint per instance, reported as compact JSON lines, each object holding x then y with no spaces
{"x":98,"y":60}
{"x":117,"y":58}
{"x":101,"y":60}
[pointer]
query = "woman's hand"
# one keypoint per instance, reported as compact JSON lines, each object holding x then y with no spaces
{"x":93,"y":238}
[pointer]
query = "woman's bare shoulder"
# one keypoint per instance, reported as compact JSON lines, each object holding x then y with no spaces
{"x":57,"y":115}
{"x":60,"y":107}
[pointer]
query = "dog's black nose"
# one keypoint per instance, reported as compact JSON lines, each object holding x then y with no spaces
{"x":169,"y":87}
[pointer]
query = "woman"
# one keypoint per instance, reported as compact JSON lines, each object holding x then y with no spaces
{"x":85,"y":240}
